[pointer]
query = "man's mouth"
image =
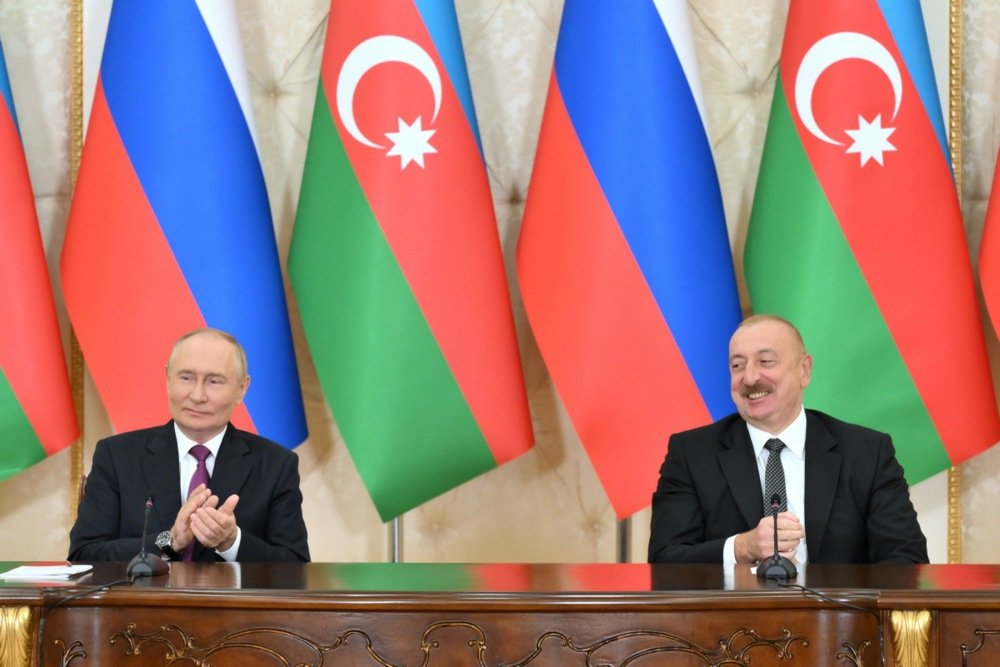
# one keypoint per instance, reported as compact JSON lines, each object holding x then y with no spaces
{"x":753,"y":393}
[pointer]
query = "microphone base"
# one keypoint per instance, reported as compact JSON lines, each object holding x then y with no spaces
{"x":776,"y":568}
{"x":146,"y":565}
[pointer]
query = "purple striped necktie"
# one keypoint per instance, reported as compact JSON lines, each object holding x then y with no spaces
{"x":200,"y":476}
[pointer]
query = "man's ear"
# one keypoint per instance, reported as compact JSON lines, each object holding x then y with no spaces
{"x":807,"y":364}
{"x":244,"y":385}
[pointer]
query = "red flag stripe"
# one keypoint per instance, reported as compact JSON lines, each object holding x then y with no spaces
{"x":440,"y":244}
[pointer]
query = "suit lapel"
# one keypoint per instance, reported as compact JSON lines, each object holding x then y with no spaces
{"x":233,"y":465}
{"x":822,"y":476}
{"x":162,"y":473}
{"x":739,"y":467}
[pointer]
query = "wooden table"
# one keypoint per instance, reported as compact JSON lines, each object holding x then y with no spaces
{"x":381,"y":614}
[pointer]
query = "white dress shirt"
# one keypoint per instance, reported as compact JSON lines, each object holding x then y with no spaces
{"x":793,"y":460}
{"x":188,"y":464}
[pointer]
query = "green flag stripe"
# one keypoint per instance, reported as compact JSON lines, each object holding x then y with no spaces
{"x":403,"y":418}
{"x":799,"y":265}
{"x":19,"y":446}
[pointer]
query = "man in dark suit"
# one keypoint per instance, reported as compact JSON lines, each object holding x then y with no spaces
{"x":847,"y":500}
{"x":261,"y":516}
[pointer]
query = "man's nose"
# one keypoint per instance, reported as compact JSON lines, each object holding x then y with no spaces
{"x":198,"y":391}
{"x":750,"y":375}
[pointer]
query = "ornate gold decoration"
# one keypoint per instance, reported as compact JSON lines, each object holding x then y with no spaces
{"x":732,"y":651}
{"x":911,"y":633}
{"x":982,"y":634}
{"x":71,"y":652}
{"x":182,"y":647}
{"x":853,"y":654}
{"x":179,"y":646}
{"x":15,"y":636}
{"x":478,"y":643}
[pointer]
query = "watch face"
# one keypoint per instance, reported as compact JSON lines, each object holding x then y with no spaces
{"x":163,"y":539}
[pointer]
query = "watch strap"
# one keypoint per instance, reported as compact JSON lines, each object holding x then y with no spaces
{"x":163,"y":543}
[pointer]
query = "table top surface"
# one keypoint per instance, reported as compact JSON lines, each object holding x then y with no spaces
{"x":628,"y":579}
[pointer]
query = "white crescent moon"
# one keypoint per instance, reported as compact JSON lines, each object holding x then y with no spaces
{"x":375,"y":51}
{"x":832,"y":49}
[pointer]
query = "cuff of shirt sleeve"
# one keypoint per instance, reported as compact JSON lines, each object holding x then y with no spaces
{"x":230,"y":553}
{"x":729,"y":551}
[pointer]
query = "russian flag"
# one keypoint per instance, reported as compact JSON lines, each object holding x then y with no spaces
{"x":624,"y":259}
{"x":37,"y":417}
{"x":170,"y":227}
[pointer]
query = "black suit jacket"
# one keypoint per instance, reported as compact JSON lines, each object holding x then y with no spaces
{"x":130,"y":467}
{"x":857,"y":503}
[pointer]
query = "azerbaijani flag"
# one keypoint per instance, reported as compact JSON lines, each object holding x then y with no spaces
{"x":170,"y":227}
{"x":37,"y":417}
{"x":396,"y":261}
{"x":624,"y":260}
{"x":856,"y":234}
{"x":989,"y":253}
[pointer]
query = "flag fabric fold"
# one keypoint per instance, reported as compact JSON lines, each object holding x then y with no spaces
{"x":989,"y":253}
{"x":37,"y":417}
{"x":856,"y":234}
{"x":624,"y":260}
{"x":170,"y":227}
{"x":396,"y":262}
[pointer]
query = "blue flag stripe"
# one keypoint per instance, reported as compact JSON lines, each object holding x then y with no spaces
{"x":442,"y":24}
{"x":906,"y":22}
{"x":638,"y":123}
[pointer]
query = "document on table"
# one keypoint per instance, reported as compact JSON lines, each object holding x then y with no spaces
{"x":45,"y":572}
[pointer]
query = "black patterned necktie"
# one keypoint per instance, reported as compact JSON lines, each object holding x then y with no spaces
{"x":774,"y":476}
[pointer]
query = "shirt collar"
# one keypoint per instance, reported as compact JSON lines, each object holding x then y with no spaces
{"x":185,"y":443}
{"x":794,"y":436}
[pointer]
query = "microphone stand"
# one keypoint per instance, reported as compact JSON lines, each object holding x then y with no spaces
{"x":777,"y":567}
{"x":144,"y":565}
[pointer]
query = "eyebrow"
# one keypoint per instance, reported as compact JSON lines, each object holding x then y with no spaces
{"x":756,"y":353}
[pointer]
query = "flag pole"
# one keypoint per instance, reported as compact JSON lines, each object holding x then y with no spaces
{"x":394,"y":540}
{"x":624,"y":539}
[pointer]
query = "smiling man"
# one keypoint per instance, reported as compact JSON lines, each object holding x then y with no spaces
{"x":220,"y":494}
{"x":843,"y":498}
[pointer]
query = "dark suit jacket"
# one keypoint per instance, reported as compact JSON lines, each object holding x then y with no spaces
{"x":857,"y":504}
{"x":130,"y":467}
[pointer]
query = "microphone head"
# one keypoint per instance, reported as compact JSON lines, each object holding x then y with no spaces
{"x":775,"y":500}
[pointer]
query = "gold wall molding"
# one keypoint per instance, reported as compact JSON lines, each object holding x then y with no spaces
{"x":76,"y":363}
{"x":955,"y":146}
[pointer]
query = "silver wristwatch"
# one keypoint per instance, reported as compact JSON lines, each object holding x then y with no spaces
{"x":163,"y":544}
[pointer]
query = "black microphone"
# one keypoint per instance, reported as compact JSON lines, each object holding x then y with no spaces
{"x":144,"y":565}
{"x":777,"y":567}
